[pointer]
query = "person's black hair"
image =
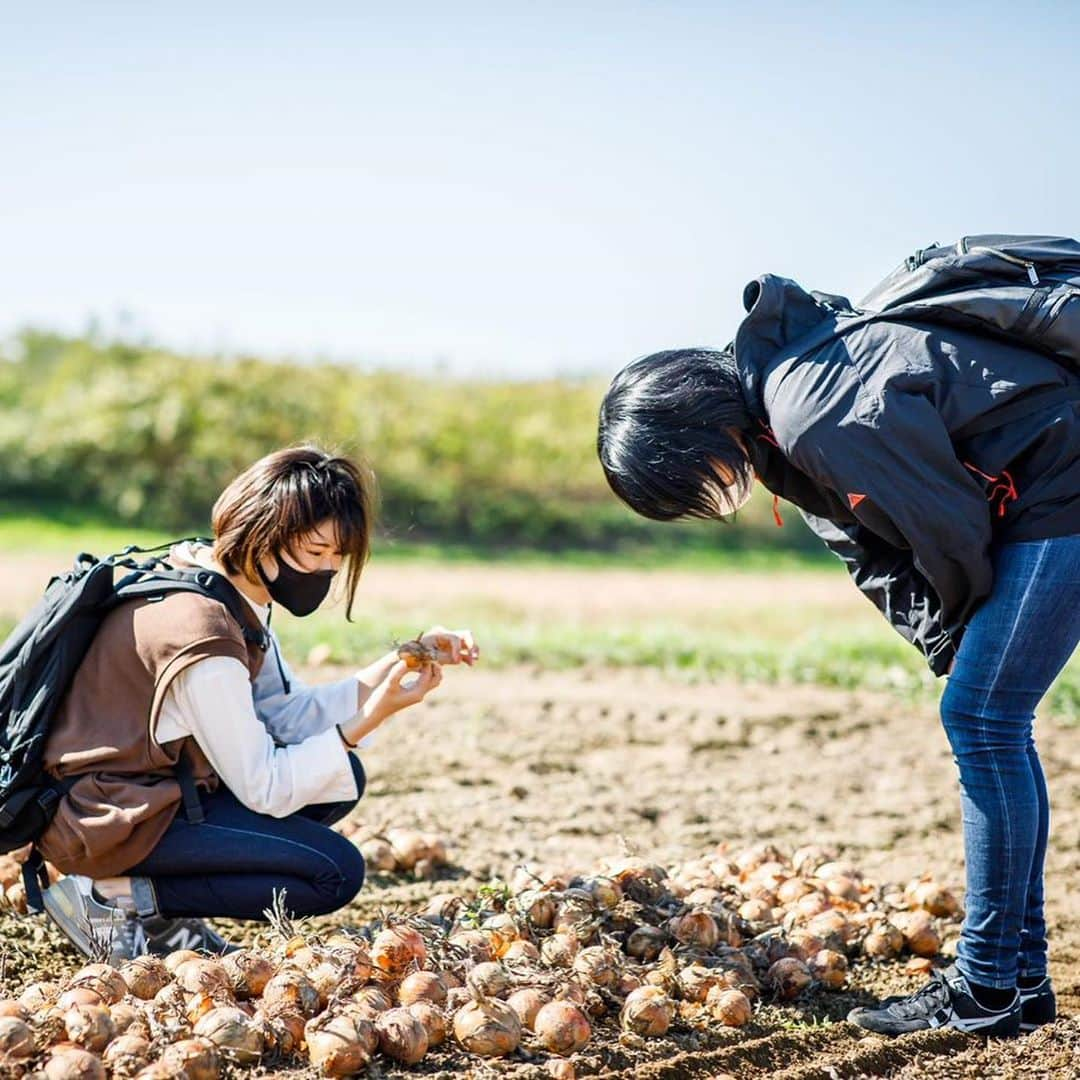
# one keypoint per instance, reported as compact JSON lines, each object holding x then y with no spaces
{"x":666,"y":425}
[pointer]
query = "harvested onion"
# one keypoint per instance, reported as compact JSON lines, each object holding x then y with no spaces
{"x":233,"y":1032}
{"x":145,"y":976}
{"x":126,"y":1055}
{"x":598,"y":965}
{"x":422,"y":986}
{"x":561,"y":1028}
{"x":90,"y":1026}
{"x":527,"y":1002}
{"x":292,"y":988}
{"x":335,"y":1046}
{"x":488,"y":1028}
{"x":829,"y":968}
{"x":193,"y":1059}
{"x":248,"y":973}
{"x":488,"y":980}
{"x":788,"y":978}
{"x":71,"y":1063}
{"x":16,"y":1039}
{"x":430,"y":1015}
{"x":402,"y":1036}
{"x":730,"y":1007}
{"x":102,"y":978}
{"x":647,"y":1011}
{"x":396,"y":949}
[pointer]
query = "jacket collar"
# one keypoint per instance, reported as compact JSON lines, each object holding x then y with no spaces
{"x":781,"y":317}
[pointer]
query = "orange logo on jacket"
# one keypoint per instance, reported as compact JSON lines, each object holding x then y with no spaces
{"x":854,"y":498}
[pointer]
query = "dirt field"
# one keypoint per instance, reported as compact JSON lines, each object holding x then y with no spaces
{"x":562,"y":770}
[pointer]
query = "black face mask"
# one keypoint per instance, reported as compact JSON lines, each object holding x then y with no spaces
{"x":298,"y":591}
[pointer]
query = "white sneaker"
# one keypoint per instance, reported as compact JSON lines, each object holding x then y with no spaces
{"x":99,"y":931}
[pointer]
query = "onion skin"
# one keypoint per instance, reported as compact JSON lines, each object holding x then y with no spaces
{"x":430,"y":1015}
{"x":145,"y":976}
{"x":647,"y":1011}
{"x":103,"y":978}
{"x":788,"y":978}
{"x":489,"y":979}
{"x":194,"y":1059}
{"x":247,"y":972}
{"x":597,"y":965}
{"x":646,"y":943}
{"x":422,"y":986}
{"x":396,"y":949}
{"x":368,"y":1002}
{"x":402,"y":1036}
{"x":70,"y":1063}
{"x":730,"y":1007}
{"x":562,"y":1028}
{"x":232,"y":1031}
{"x":883,"y":942}
{"x":696,"y":928}
{"x":488,"y":1028}
{"x":335,"y":1047}
{"x":90,"y":1026}
{"x":829,"y":968}
{"x":293,"y":988}
{"x":16,"y":1039}
{"x":38,"y":994}
{"x":521,"y":951}
{"x":919,"y":933}
{"x":126,"y":1055}
{"x":128,"y":1019}
{"x":180,"y":956}
{"x":527,"y":1002}
{"x":558,"y":950}
{"x":207,"y":976}
{"x":78,"y":995}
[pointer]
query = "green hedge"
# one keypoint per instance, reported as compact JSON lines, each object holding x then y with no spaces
{"x":147,"y":436}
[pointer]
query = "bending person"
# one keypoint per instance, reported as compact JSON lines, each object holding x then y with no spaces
{"x":943,"y":467}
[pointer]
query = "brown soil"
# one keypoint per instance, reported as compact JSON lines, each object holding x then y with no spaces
{"x":562,"y":770}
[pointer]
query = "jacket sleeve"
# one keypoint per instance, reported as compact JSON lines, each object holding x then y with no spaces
{"x":888,"y":578}
{"x":897,"y":470}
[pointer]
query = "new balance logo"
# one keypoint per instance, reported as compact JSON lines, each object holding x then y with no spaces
{"x":184,"y":939}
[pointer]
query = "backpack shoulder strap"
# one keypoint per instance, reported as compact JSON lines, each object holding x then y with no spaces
{"x":158,"y":581}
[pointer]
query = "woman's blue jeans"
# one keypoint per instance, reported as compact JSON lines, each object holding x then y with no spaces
{"x":1013,"y":648}
{"x":232,"y":864}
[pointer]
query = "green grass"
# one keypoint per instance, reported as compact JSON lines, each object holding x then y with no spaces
{"x":777,"y":644}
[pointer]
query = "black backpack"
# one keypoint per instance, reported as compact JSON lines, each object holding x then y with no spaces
{"x":38,"y":661}
{"x":1025,"y":289}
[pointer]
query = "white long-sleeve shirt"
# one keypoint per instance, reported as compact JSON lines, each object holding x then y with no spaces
{"x":275,"y":751}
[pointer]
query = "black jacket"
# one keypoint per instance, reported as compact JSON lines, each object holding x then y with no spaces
{"x":909,"y":449}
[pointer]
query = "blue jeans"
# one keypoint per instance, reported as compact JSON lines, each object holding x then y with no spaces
{"x":231,"y":864}
{"x":1013,"y":648}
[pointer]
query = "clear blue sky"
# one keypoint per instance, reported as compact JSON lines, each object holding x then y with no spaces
{"x":515,"y":188}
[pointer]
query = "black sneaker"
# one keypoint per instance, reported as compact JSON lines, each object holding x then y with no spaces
{"x":945,"y":1001}
{"x":163,"y":936}
{"x":1038,"y":1005}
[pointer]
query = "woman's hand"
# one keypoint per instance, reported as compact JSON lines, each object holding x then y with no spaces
{"x":452,"y":646}
{"x":392,"y":695}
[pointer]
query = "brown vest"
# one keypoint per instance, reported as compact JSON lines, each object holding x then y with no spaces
{"x":127,"y":795}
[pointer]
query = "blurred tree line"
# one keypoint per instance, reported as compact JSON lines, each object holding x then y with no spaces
{"x":150,"y":437}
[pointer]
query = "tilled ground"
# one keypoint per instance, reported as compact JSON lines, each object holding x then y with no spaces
{"x":562,"y":770}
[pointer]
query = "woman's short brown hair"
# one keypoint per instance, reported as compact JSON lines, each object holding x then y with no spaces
{"x":286,"y":494}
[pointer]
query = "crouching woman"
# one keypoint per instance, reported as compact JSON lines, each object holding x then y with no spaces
{"x":204,"y":776}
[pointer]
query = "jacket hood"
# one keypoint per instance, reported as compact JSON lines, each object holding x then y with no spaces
{"x":780,"y":318}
